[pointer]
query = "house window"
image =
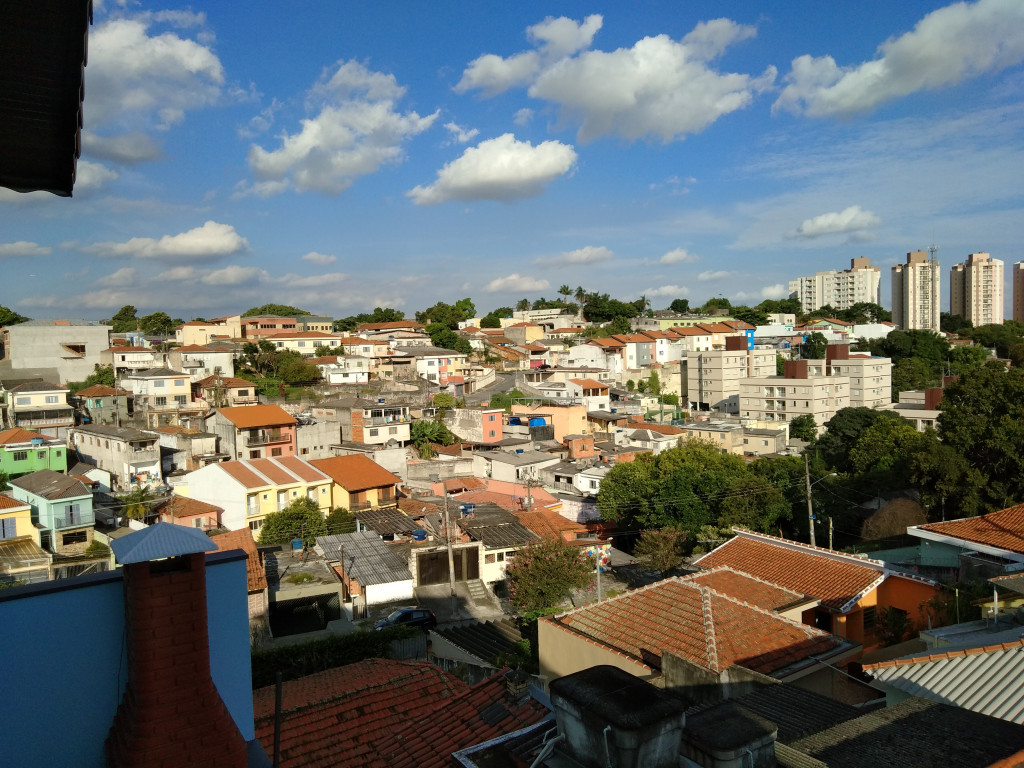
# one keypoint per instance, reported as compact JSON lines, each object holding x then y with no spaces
{"x":870,"y":619}
{"x":255,"y":525}
{"x":97,"y":403}
{"x":20,"y":455}
{"x":40,"y":454}
{"x":75,"y":537}
{"x":488,"y":558}
{"x":373,"y":432}
{"x":51,"y":399}
{"x":392,"y":430}
{"x":24,"y":401}
{"x":159,"y":383}
{"x":254,"y":454}
{"x":179,"y":382}
{"x":8,"y":528}
{"x":275,"y":451}
{"x":492,"y":433}
{"x":159,"y":401}
{"x":501,"y":557}
{"x":180,"y":399}
{"x":243,"y":393}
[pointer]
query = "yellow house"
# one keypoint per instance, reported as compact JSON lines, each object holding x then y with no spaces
{"x":200,"y":333}
{"x":250,"y":489}
{"x":359,"y":482}
{"x":22,"y":559}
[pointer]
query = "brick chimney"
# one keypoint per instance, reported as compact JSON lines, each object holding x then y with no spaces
{"x":171,"y":713}
{"x":736,"y":343}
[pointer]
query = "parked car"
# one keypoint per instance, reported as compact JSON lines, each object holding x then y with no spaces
{"x":408,"y":617}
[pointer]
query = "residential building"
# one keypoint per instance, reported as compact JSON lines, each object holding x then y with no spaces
{"x":200,"y":332}
{"x":225,"y":391}
{"x":435,"y":364}
{"x":250,"y":489}
{"x":518,"y":467}
{"x":131,"y":456}
{"x":104,"y":405}
{"x":162,"y":396}
{"x":191,"y":513}
{"x":41,"y":407}
{"x":303,"y":342}
{"x":916,"y":292}
{"x":482,"y":426}
{"x":713,"y":376}
{"x":986,"y":545}
{"x":69,"y":348}
{"x":850,"y":590}
{"x":183,"y":449}
{"x":861,"y":283}
{"x":367,"y":422}
{"x":368,"y":330}
{"x":919,"y":407}
{"x":870,"y":377}
{"x":61,"y":509}
{"x":1018,"y":291}
{"x":976,"y":290}
{"x":254,"y":431}
{"x":23,"y":451}
{"x":201,"y":362}
{"x":802,"y":390}
{"x":358,"y":482}
{"x":370,"y":572}
{"x":739,"y":438}
{"x":649,"y":437}
{"x":344,"y":369}
{"x":256,"y":327}
{"x":22,"y":560}
{"x":568,"y":419}
{"x":124,"y":359}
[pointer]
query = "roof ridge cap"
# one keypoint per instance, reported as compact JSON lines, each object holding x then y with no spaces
{"x":828,"y":554}
{"x":710,"y":645}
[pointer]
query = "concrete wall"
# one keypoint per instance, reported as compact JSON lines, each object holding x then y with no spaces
{"x":39,"y":346}
{"x":68,"y":636}
{"x":563,"y":652}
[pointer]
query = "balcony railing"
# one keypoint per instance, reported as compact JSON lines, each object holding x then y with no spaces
{"x":380,"y":421}
{"x":79,"y":520}
{"x":266,"y":438}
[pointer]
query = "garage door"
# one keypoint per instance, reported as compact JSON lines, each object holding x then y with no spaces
{"x":432,"y":567}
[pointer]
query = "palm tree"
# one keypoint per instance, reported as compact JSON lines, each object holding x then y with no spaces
{"x":522,"y":305}
{"x":565,"y":291}
{"x":137,"y":502}
{"x":580,"y":295}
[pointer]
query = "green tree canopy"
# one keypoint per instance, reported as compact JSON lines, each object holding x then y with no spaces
{"x":379,"y":315}
{"x":815,"y":346}
{"x":600,"y":308}
{"x":680,"y":306}
{"x":444,"y":337}
{"x":910,"y":373}
{"x":842,"y":432}
{"x":490,"y":321}
{"x":750,"y":315}
{"x":300,"y":519}
{"x":157,"y":324}
{"x":804,"y":428}
{"x":293,"y":367}
{"x":954,"y":323}
{"x":10,"y":317}
{"x":544,"y":574}
{"x":781,"y":306}
{"x":1000,"y":337}
{"x":340,"y":520}
{"x":660,"y":549}
{"x":715,"y":303}
{"x":279,"y":310}
{"x":124,"y":320}
{"x":447,"y":315}
{"x":423,"y":432}
{"x":101,"y":374}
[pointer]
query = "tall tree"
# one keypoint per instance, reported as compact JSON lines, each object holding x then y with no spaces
{"x":300,"y":519}
{"x":565,"y":292}
{"x":580,"y":294}
{"x":124,"y":320}
{"x":544,"y":574}
{"x":660,"y":549}
{"x":10,"y":317}
{"x":157,"y":324}
{"x":815,"y":346}
{"x":680,"y":306}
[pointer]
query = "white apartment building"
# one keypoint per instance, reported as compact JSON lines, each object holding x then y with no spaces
{"x":804,"y":389}
{"x":976,"y":289}
{"x":859,"y":284}
{"x":870,"y":378}
{"x":916,"y":288}
{"x":713,"y":377}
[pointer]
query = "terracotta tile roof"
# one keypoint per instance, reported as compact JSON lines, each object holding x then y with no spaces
{"x":689,"y":330}
{"x":661,"y":429}
{"x":837,"y":579}
{"x":225,"y":381}
{"x":303,"y":469}
{"x":182,"y":506}
{"x":1003,"y":529}
{"x":302,"y":335}
{"x":38,"y":386}
{"x":716,"y":328}
{"x":131,"y":349}
{"x":337,"y":717}
{"x":271,"y":469}
{"x":480,"y":714}
{"x":248,"y":416}
{"x":356,"y":472}
{"x":19,"y":435}
{"x":6,"y":502}
{"x":456,"y":484}
{"x":417,"y":507}
{"x":544,"y":522}
{"x":589,"y":383}
{"x":747,"y":588}
{"x":697,"y":624}
{"x":240,"y":471}
{"x":242,"y":539}
{"x":101,"y":390}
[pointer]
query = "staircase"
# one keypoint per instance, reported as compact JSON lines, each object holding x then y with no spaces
{"x":478,"y":592}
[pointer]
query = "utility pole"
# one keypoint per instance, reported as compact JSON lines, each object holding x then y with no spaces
{"x":810,"y":504}
{"x":448,"y":540}
{"x":830,"y":534}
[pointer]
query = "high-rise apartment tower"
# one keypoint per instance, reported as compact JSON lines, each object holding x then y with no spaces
{"x":916,"y":289}
{"x":861,"y":283}
{"x":976,"y":289}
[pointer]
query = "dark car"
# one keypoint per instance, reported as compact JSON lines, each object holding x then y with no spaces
{"x":408,"y":617}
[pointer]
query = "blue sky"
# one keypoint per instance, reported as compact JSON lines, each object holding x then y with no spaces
{"x":340,"y":156}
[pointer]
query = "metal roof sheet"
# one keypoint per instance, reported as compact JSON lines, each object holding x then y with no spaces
{"x":367,"y":559}
{"x":159,"y":541}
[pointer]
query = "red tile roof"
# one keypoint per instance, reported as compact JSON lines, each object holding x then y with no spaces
{"x":589,"y":383}
{"x":337,"y":717}
{"x":302,"y":335}
{"x":837,"y":579}
{"x":101,"y":390}
{"x":242,"y":539}
{"x":6,"y":502}
{"x":430,"y":741}
{"x":302,"y":469}
{"x":747,"y":588}
{"x":661,"y":429}
{"x":19,"y":435}
{"x":182,"y":506}
{"x":248,"y":416}
{"x":456,"y":484}
{"x":544,"y":522}
{"x":695,"y":623}
{"x":223,"y":381}
{"x":356,"y":472}
{"x":1003,"y":529}
{"x":269,"y":468}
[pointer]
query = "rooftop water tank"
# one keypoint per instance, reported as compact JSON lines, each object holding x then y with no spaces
{"x":419,"y":535}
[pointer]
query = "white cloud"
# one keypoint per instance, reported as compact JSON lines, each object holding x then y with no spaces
{"x":321,"y":259}
{"x":128,"y":148}
{"x":260,"y":123}
{"x":137,"y":80}
{"x":516,"y":283}
{"x":23,"y":248}
{"x":90,"y":176}
{"x":849,"y":219}
{"x":459,"y":134}
{"x":949,"y":45}
{"x":713,"y":274}
{"x":589,"y":254}
{"x":498,"y":169}
{"x":679,"y":256}
{"x":659,"y":87}
{"x":667,"y":290}
{"x":210,"y":241}
{"x":356,"y":131}
{"x":234,"y":275}
{"x":179,"y":273}
{"x":312,"y":281}
{"x":777,"y":291}
{"x":523,"y":116}
{"x":123,"y":276}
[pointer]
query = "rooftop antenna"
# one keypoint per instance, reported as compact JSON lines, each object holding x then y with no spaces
{"x":932,"y":250}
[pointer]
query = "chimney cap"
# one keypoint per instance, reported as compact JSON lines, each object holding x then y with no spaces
{"x":159,"y":541}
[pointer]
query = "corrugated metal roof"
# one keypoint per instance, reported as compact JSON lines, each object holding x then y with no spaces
{"x":159,"y":541}
{"x":985,"y":680}
{"x":367,"y":559}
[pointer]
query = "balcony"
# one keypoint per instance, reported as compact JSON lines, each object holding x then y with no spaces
{"x":380,"y":421}
{"x":77,"y":520}
{"x":49,"y":418}
{"x":267,"y":438}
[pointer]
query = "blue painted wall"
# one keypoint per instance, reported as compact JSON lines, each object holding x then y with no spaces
{"x":63,"y":663}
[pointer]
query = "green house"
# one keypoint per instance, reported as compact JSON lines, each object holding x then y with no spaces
{"x":23,"y":451}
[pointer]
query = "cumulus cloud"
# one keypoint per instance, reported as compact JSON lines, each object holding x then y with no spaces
{"x":850,"y":219}
{"x":123,"y":276}
{"x":659,"y":87}
{"x":679,"y":256}
{"x":713,"y":274}
{"x":590,"y":254}
{"x":553,"y":39}
{"x":210,"y":241}
{"x":234,"y":275}
{"x":127,"y":149}
{"x":498,"y":169}
{"x":322,"y":259}
{"x":311,"y":281}
{"x":523,"y":116}
{"x":777,"y":291}
{"x":90,"y":176}
{"x":516,"y":283}
{"x":948,"y":46}
{"x":459,"y":134}
{"x":179,"y":273}
{"x":133,"y":75}
{"x":667,"y":290}
{"x":23,"y":248}
{"x":356,"y":130}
